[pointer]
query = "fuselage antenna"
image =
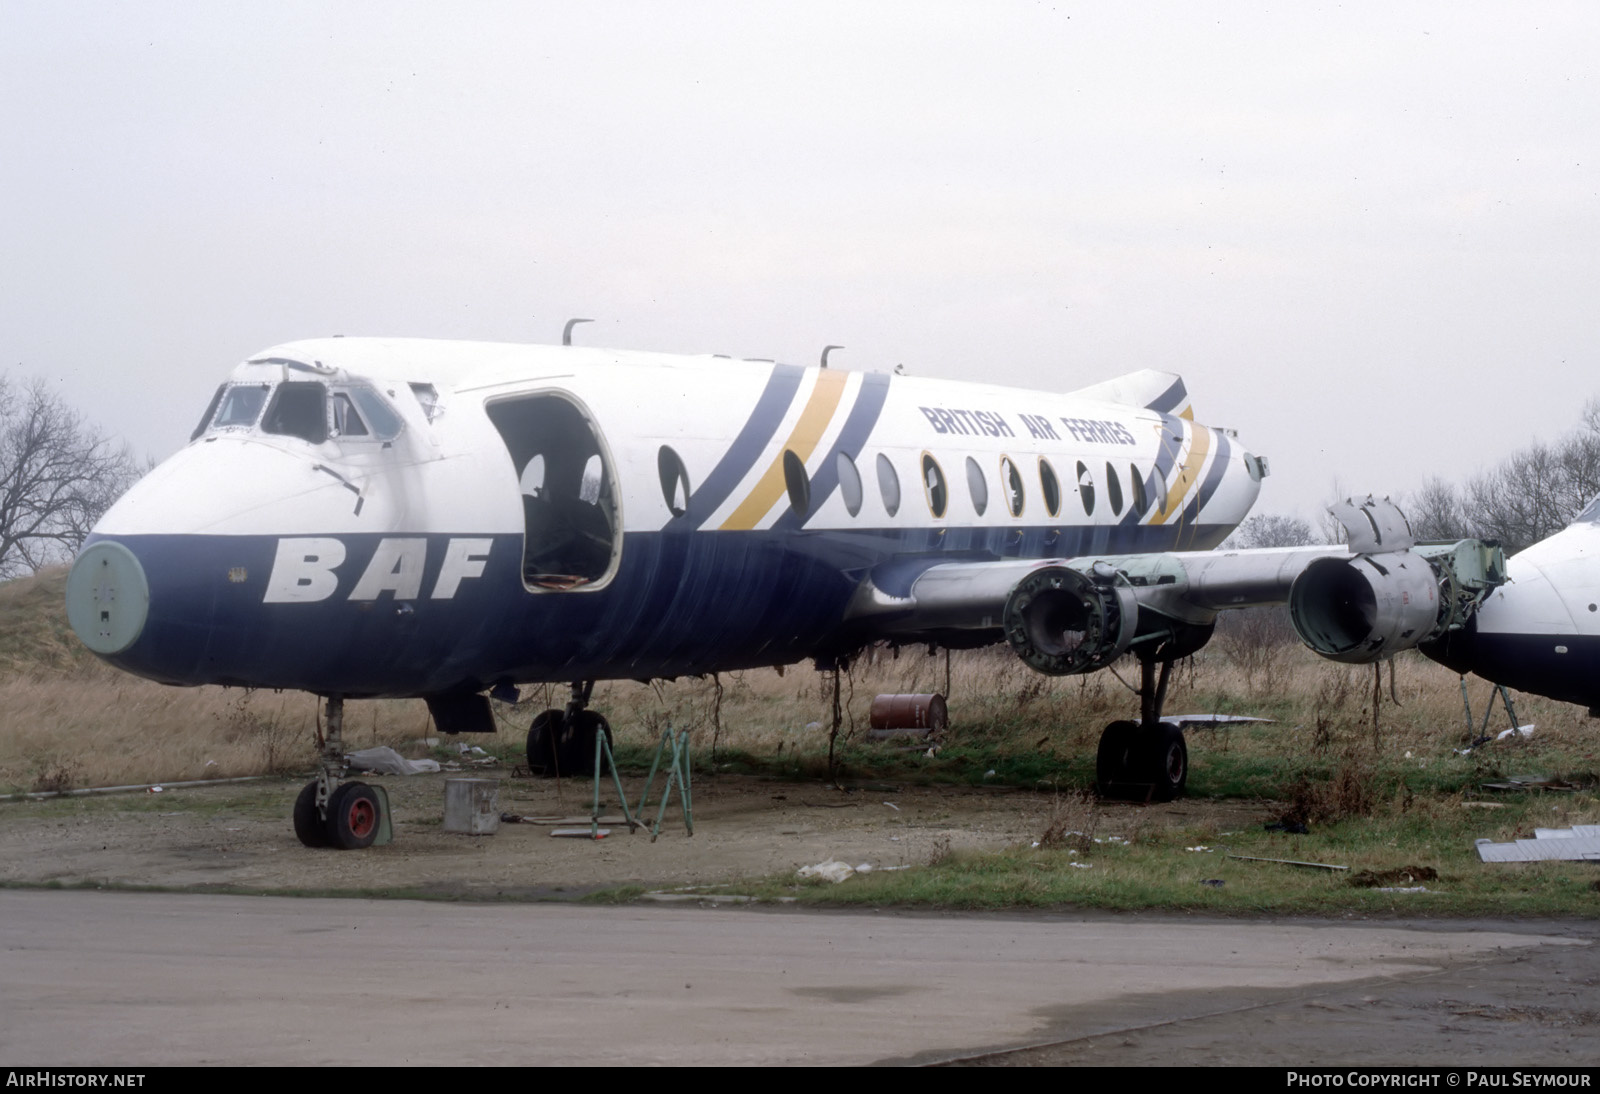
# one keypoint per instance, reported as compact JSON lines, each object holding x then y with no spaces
{"x":825,"y":351}
{"x":566,"y":332}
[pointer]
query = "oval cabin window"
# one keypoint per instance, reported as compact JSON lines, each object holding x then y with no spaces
{"x":1051,"y":486}
{"x":674,"y":481}
{"x":1086,"y":490}
{"x":797,"y":482}
{"x":933,"y":486}
{"x":1113,"y":490}
{"x":977,"y":486}
{"x":888,"y":485}
{"x":849,"y":483}
{"x":1013,"y":482}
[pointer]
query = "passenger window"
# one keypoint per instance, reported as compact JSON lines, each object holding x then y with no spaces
{"x":977,"y":486}
{"x":594,"y":477}
{"x":797,"y":483}
{"x":674,"y":481}
{"x":1086,"y":489}
{"x":888,"y":485}
{"x":1140,"y":503}
{"x":532,"y":482}
{"x":849,"y":482}
{"x":1113,"y":490}
{"x":933,"y":485}
{"x":298,"y":410}
{"x":1159,"y":482}
{"x":1013,"y":480}
{"x":1051,"y":487}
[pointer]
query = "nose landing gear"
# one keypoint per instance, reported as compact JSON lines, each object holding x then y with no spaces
{"x":332,"y":813}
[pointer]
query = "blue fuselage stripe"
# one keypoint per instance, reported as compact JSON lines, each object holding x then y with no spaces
{"x":746,"y":448}
{"x":857,"y":428}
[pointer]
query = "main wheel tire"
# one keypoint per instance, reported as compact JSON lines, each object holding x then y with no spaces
{"x":1165,"y":758}
{"x":579,"y":741}
{"x":1114,"y":761}
{"x":544,"y":736}
{"x":353,"y":816}
{"x":308,"y":825}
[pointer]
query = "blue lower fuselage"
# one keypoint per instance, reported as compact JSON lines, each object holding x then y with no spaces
{"x":678,"y":604}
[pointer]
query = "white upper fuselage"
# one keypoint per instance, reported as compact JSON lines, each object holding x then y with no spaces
{"x":390,"y":516}
{"x":452,"y":474}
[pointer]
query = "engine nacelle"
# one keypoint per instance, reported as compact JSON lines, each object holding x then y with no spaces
{"x":1063,"y":621}
{"x":1362,"y":609}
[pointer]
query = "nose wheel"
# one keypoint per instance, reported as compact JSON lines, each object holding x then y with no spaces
{"x":329,"y":812}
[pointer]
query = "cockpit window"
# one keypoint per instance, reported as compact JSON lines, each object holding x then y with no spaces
{"x":380,"y":417}
{"x":234,"y":405}
{"x":298,"y":410}
{"x":211,"y":408}
{"x":1590,"y":514}
{"x":428,"y":398}
{"x":346,"y":422}
{"x":241,"y":405}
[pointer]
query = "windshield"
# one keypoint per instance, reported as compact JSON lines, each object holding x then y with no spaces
{"x":237,"y":405}
{"x":1590,"y":514}
{"x":241,"y":405}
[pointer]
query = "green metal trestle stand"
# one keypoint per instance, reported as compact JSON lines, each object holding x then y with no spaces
{"x":602,"y":749}
{"x":675,"y":745}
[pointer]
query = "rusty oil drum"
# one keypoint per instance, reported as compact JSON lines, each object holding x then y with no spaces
{"x":924,"y":713}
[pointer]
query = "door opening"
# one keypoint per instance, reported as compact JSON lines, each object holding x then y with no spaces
{"x":572,"y":532}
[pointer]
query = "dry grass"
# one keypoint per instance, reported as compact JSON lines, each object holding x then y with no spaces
{"x":68,"y":720}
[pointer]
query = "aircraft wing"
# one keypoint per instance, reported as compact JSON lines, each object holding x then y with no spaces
{"x":1357,"y":603}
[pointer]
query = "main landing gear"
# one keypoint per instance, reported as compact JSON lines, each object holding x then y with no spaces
{"x":1144,"y":760}
{"x":330,"y":812}
{"x":561,"y":742}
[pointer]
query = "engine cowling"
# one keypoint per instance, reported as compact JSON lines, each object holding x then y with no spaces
{"x":1363,"y":609}
{"x":1062,"y":621}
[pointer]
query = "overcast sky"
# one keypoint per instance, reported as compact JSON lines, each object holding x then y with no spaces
{"x":1368,"y":235}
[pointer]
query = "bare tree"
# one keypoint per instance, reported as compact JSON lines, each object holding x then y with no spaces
{"x":1435,"y":511}
{"x":1273,"y":530}
{"x":57,"y":475}
{"x":1255,"y":639}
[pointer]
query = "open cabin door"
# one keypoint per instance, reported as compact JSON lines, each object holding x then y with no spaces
{"x":572,"y":527}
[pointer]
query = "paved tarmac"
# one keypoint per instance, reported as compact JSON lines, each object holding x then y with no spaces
{"x":129,"y":979}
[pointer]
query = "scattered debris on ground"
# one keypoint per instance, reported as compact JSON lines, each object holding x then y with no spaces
{"x":1372,"y":879}
{"x":1580,"y":843}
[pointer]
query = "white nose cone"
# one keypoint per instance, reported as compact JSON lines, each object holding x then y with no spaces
{"x":108,"y":598}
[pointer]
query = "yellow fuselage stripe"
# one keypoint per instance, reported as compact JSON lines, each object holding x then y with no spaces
{"x":1187,"y":476}
{"x":802,"y":442}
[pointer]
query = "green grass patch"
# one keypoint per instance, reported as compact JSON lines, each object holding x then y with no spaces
{"x":1425,"y":845}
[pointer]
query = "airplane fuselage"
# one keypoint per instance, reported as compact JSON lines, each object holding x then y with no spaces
{"x":1540,"y":632}
{"x":391,"y":517}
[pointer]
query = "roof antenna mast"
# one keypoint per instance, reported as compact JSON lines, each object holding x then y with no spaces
{"x":825,"y":351}
{"x":566,"y":332}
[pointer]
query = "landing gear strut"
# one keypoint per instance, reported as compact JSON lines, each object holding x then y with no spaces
{"x":1144,"y":760}
{"x":330,"y":812}
{"x":561,"y":742}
